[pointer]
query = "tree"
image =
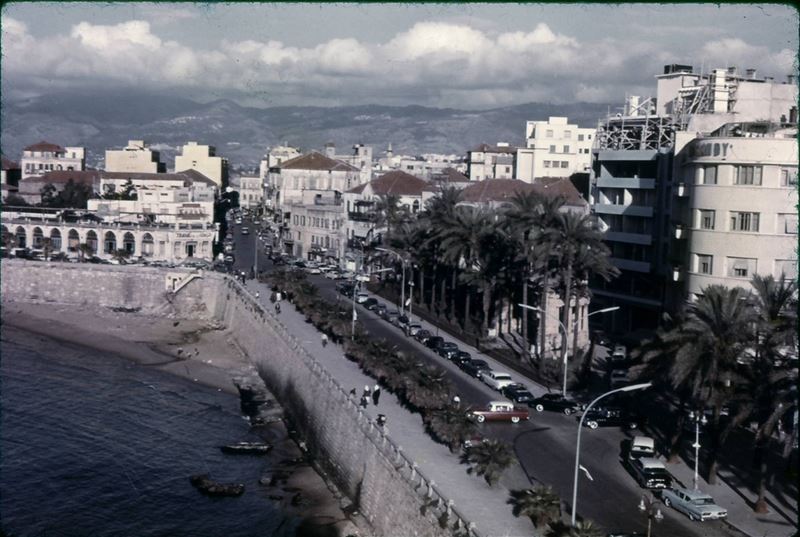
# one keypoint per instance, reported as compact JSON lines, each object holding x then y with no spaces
{"x":74,"y":195}
{"x":488,"y":459}
{"x":120,"y":254}
{"x":48,"y":193}
{"x":15,"y":200}
{"x":47,"y":247}
{"x":584,"y":528}
{"x":84,"y":250}
{"x":541,"y":504}
{"x":450,"y":425}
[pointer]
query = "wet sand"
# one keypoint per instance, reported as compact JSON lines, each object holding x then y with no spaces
{"x":199,"y":353}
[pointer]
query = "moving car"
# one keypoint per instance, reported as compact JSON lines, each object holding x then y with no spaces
{"x":380,"y":309}
{"x":620,"y":354}
{"x":496,"y":380}
{"x":693,"y":503}
{"x":609,"y":417}
{"x":500,"y":411}
{"x":638,"y":447}
{"x":650,"y":473}
{"x":557,"y":403}
{"x":474,"y":367}
{"x":518,"y":393}
{"x":332,"y":274}
{"x":446,"y":348}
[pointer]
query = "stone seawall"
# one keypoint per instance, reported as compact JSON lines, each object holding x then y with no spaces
{"x":385,"y":486}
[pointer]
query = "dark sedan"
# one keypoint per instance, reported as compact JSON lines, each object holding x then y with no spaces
{"x":518,"y":393}
{"x":447,"y":348}
{"x":557,"y":403}
{"x":434,"y":342}
{"x":423,"y":335}
{"x":460,"y":358}
{"x":474,"y":367}
{"x":610,"y":417}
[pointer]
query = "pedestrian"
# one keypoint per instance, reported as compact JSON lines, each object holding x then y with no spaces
{"x":367,"y":391}
{"x":381,"y":420}
{"x":456,"y":401}
{"x":278,"y":296}
{"x":277,"y":307}
{"x":376,"y":394}
{"x":364,"y":401}
{"x":353,"y":392}
{"x":257,"y":295}
{"x":324,"y":340}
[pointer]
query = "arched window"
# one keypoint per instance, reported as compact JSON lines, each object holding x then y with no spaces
{"x":38,"y":236}
{"x":73,"y":240}
{"x":110,"y":242}
{"x":21,"y":237}
{"x":55,"y":239}
{"x":129,"y":243}
{"x":147,"y":245}
{"x":91,"y":240}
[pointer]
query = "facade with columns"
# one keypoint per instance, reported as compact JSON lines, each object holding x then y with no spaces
{"x":170,"y":243}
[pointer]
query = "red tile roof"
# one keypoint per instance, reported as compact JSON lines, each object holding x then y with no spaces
{"x":395,"y":183}
{"x":9,"y":164}
{"x":505,"y":189}
{"x":562,"y":186}
{"x":451,"y":175}
{"x":45,"y":146}
{"x":316,"y":161}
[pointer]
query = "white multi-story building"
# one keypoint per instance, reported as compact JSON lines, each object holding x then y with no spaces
{"x":204,"y":159}
{"x":317,"y":227}
{"x":554,"y":148}
{"x":491,"y":162}
{"x":250,"y":189}
{"x":135,"y":157}
{"x":740,"y":218}
{"x":314,"y":171}
{"x":44,"y":157}
{"x":360,"y":158}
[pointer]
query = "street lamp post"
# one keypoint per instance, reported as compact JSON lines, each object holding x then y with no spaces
{"x":699,"y":418}
{"x":630,"y":388}
{"x":410,"y":297}
{"x":648,"y":504}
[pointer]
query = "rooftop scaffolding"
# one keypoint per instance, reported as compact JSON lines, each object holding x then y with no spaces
{"x":638,"y":129}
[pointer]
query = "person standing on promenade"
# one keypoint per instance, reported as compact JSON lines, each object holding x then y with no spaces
{"x":257,"y":295}
{"x":324,"y":340}
{"x":364,"y":401}
{"x":376,"y":394}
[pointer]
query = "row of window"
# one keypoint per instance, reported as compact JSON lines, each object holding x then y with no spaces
{"x":555,"y":164}
{"x":741,"y":267}
{"x":568,"y":134}
{"x":324,"y":241}
{"x":317,"y":222}
{"x":746,"y":175}
{"x":746,"y":221}
{"x":565,"y":149}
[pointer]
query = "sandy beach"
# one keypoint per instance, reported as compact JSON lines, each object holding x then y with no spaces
{"x":199,"y":353}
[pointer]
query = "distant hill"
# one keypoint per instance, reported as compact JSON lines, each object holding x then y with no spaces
{"x":106,"y":120}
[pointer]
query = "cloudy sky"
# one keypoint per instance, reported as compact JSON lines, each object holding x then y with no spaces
{"x":471,"y":56}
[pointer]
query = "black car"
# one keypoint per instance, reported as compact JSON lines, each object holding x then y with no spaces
{"x":422,"y":335}
{"x":610,"y":417}
{"x":518,"y":393}
{"x":473,"y":367}
{"x":650,"y":473}
{"x":370,"y":303}
{"x":460,"y":358}
{"x":556,"y":402}
{"x":434,"y":342}
{"x":446,"y":348}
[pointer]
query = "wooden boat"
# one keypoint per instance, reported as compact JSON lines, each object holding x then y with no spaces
{"x":248,"y":448}
{"x":204,"y":484}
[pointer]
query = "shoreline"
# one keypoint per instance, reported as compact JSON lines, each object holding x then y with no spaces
{"x":196,"y":352}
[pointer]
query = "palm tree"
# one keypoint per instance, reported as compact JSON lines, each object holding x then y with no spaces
{"x":591,"y":259}
{"x":427,"y":387}
{"x":450,"y":425}
{"x":584,"y":528}
{"x":85,"y":249}
{"x":437,"y":210}
{"x":121,"y":254}
{"x":489,"y":459}
{"x":541,"y":504}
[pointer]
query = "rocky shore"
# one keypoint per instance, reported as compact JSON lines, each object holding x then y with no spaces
{"x":208,"y":356}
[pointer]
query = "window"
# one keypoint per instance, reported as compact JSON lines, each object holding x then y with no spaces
{"x":564,"y":164}
{"x":788,"y":177}
{"x":588,"y":136}
{"x":508,"y":169}
{"x":546,"y":163}
{"x":706,"y":220}
{"x":580,"y":137}
{"x":741,"y":267}
{"x":709,"y":175}
{"x":549,"y":133}
{"x":787,"y":223}
{"x":704,"y":263}
{"x":747,"y":175}
{"x":552,"y":149}
{"x":566,"y":149}
{"x":567,"y":134}
{"x":744,"y":221}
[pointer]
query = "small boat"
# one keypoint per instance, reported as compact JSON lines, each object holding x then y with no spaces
{"x":250,"y":448}
{"x":204,"y":484}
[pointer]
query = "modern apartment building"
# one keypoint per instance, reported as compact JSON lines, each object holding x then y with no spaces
{"x":554,"y":148}
{"x":45,"y":157}
{"x":204,"y":159}
{"x":135,"y":157}
{"x":491,"y":162}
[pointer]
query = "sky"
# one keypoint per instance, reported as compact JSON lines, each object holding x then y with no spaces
{"x":467,"y":56}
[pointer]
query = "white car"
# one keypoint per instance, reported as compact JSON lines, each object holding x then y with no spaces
{"x":693,"y":503}
{"x":496,"y":379}
{"x":361,"y":298}
{"x":412,"y":329}
{"x":332,"y":274}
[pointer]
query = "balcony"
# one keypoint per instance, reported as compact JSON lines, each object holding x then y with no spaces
{"x":361,"y":217}
{"x":629,"y":264}
{"x":677,"y":274}
{"x":628,"y":210}
{"x":631,"y":238}
{"x":625,"y":182}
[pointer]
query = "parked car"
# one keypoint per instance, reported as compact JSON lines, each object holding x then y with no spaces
{"x":402,"y":321}
{"x":650,"y":473}
{"x":500,"y":411}
{"x":412,"y":329}
{"x":434,"y":342}
{"x":422,"y":335}
{"x":518,"y":393}
{"x":245,"y":231}
{"x":332,"y":274}
{"x":609,"y":417}
{"x":313,"y":269}
{"x":617,"y":378}
{"x":474,"y":367}
{"x":361,"y":298}
{"x":391,"y":316}
{"x":229,"y":259}
{"x":693,"y":503}
{"x":497,"y":380}
{"x":447,"y":347}
{"x":620,"y":353}
{"x":370,"y":303}
{"x":556,"y":402}
{"x":638,"y":447}
{"x":460,"y":358}
{"x":380,"y":309}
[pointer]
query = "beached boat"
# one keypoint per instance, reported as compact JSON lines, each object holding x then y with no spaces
{"x":204,"y":484}
{"x":249,"y":448}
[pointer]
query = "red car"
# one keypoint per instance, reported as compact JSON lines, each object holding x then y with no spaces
{"x":500,"y":411}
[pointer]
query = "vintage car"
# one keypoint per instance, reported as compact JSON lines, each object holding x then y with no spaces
{"x":499,"y":411}
{"x":556,"y":402}
{"x":650,"y":473}
{"x":693,"y":503}
{"x":638,"y":447}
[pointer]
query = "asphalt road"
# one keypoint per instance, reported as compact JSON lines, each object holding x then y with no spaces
{"x":545,"y":445}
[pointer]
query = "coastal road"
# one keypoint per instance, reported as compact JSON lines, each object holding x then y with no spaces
{"x":545,"y":445}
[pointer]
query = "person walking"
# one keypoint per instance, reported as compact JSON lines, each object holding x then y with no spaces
{"x":257,"y":295}
{"x":367,"y":391}
{"x":376,"y":394}
{"x":353,"y":392}
{"x":364,"y":401}
{"x":456,"y":401}
{"x":324,"y":340}
{"x":277,"y":307}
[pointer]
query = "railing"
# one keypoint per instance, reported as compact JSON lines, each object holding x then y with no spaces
{"x":56,"y":221}
{"x":361,"y":217}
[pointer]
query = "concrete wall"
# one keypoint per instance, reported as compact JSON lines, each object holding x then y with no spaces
{"x":386,"y":486}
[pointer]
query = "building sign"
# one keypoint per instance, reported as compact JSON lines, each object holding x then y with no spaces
{"x":192,"y":235}
{"x":715,"y":149}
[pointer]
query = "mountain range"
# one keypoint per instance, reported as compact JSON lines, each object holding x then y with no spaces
{"x":109,"y":119}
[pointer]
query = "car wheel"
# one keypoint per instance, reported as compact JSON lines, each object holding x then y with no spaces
{"x":592,"y":424}
{"x":692,"y":517}
{"x":539,"y":408}
{"x":567,"y":411}
{"x":481,"y":418}
{"x":667,"y":502}
{"x":515,"y":419}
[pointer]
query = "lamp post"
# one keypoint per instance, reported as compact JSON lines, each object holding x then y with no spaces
{"x":410,"y":295}
{"x":630,"y":388}
{"x":699,"y":418}
{"x":353,"y":291}
{"x":648,"y":504}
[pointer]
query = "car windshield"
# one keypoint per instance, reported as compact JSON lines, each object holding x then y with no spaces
{"x":479,"y":363}
{"x":703,"y":501}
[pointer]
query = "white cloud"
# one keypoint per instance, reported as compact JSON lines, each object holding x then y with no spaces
{"x":433,"y":63}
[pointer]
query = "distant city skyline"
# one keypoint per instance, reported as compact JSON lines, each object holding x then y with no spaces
{"x":470,"y":56}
